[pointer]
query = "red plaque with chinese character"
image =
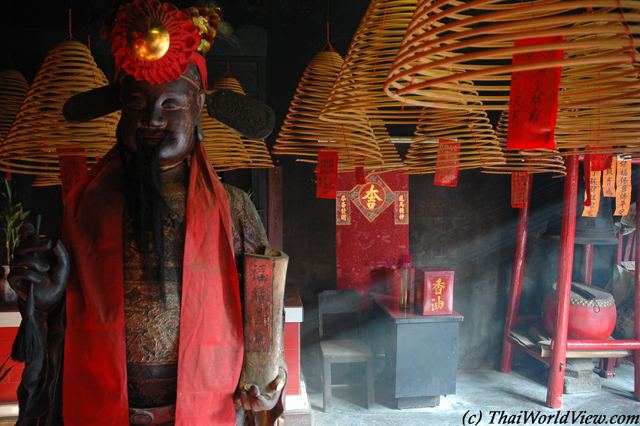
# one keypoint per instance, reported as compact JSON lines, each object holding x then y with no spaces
{"x":72,"y":168}
{"x":448,"y":158}
{"x":433,"y":290}
{"x":533,"y":102}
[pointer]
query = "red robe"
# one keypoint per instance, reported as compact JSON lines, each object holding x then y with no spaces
{"x":211,"y":337}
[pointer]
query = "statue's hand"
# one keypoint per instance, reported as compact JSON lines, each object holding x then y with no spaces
{"x":250,"y":398}
{"x":42,"y":263}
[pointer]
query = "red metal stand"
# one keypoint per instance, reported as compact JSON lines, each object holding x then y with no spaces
{"x":560,"y":343}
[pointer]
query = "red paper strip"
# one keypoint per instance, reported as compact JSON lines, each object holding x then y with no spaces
{"x":327,"y":174}
{"x":448,"y":156}
{"x":594,"y":189}
{"x":609,"y":179}
{"x":623,"y":187}
{"x":587,"y":181}
{"x":258,"y":287}
{"x":533,"y":102}
{"x":72,"y":168}
{"x":519,"y":189}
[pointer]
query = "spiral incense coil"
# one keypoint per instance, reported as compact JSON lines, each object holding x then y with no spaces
{"x":371,"y":53}
{"x":46,"y":180}
{"x":13,"y":90}
{"x":303,"y":133}
{"x":534,"y":161}
{"x":40,"y":133}
{"x":256,"y":149}
{"x":469,"y":130}
{"x":449,"y":41}
{"x":223,"y":146}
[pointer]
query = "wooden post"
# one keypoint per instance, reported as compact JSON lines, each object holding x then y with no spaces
{"x":516,"y":281}
{"x":565,"y":270}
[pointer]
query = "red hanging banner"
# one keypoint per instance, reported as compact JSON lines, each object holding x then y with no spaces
{"x":600,"y":162}
{"x":327,"y":174}
{"x":533,"y":102}
{"x":72,"y":168}
{"x":360,"y":177}
{"x":519,"y":189}
{"x":448,"y":154}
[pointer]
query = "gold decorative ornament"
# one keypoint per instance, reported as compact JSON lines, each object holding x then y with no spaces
{"x":148,"y":39}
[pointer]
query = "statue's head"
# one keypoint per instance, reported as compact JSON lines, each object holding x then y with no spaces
{"x":161,"y":74}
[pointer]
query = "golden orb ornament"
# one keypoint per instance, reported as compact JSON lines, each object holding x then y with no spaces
{"x":148,"y":39}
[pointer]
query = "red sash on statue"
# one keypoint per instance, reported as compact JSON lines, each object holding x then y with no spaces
{"x":211,"y":339}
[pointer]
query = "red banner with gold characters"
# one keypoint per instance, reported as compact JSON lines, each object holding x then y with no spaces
{"x":533,"y":101}
{"x":371,"y":227}
{"x":327,"y":174}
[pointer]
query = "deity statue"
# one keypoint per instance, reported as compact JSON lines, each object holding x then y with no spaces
{"x":136,"y":312}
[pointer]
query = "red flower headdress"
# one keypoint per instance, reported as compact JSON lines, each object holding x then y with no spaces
{"x":184,"y":40}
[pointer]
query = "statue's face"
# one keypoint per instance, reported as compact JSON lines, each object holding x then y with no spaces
{"x":156,"y":110}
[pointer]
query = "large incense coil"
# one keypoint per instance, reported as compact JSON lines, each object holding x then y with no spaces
{"x":13,"y":90}
{"x":533,"y":161}
{"x":470,"y":129}
{"x":40,"y":133}
{"x":223,"y":146}
{"x":303,"y":133}
{"x":390,"y":160}
{"x":257,"y":149}
{"x":451,"y":40}
{"x":369,"y":58}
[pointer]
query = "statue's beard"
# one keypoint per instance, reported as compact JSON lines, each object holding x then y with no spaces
{"x":145,"y":200}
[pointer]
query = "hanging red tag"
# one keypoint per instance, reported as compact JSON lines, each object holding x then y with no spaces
{"x":533,"y":102}
{"x":587,"y":181}
{"x":448,"y":154}
{"x":609,"y":179}
{"x":72,"y":169}
{"x":593,"y":192}
{"x":327,"y":174}
{"x":623,"y":187}
{"x":360,"y":177}
{"x":519,"y":189}
{"x":600,"y":162}
{"x":9,"y":177}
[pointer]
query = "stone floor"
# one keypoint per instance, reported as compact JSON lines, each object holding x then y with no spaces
{"x":483,"y":392}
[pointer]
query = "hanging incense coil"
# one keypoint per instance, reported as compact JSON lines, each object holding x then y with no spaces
{"x":469,"y":135}
{"x":534,"y":161}
{"x":46,"y":180}
{"x":40,"y":133}
{"x":370,"y":56}
{"x":303,"y":133}
{"x":223,"y":146}
{"x":256,"y":149}
{"x":13,"y":90}
{"x":448,"y":41}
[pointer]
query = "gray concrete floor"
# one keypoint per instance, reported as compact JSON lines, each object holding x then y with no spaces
{"x":481,"y":392}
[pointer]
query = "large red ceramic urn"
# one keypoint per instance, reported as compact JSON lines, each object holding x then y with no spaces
{"x":592,"y":312}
